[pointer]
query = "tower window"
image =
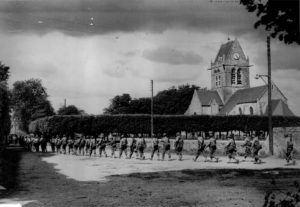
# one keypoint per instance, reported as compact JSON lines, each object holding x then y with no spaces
{"x":239,"y":76}
{"x":233,"y":76}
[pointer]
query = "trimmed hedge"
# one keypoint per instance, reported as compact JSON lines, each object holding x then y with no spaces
{"x":94,"y":125}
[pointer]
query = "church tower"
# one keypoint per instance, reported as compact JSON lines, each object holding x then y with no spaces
{"x":230,"y":70}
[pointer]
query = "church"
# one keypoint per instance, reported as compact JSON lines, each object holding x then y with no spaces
{"x":231,"y":93}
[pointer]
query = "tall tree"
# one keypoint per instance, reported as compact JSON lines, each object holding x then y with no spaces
{"x":174,"y":100}
{"x":119,"y":105}
{"x":69,"y":110}
{"x":5,"y":122}
{"x":280,"y":17}
{"x":171,"y":101}
{"x":30,"y":101}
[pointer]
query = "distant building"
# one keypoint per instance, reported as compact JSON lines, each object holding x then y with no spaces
{"x":231,"y":93}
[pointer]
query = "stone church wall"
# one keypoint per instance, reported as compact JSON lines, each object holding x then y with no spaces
{"x":280,"y":141}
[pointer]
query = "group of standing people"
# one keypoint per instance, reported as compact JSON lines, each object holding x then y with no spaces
{"x":89,"y":145}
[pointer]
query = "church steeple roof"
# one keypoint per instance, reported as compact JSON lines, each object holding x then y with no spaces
{"x":227,"y":50}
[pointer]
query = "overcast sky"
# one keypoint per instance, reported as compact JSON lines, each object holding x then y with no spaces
{"x":89,"y":51}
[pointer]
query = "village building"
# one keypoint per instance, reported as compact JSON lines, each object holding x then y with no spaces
{"x":230,"y":92}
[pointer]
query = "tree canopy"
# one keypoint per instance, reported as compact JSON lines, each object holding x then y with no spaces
{"x":279,"y":17}
{"x":69,"y":110}
{"x":30,"y":101}
{"x":5,"y":122}
{"x":171,"y":101}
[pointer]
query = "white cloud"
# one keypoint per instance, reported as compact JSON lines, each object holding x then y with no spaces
{"x":88,"y":71}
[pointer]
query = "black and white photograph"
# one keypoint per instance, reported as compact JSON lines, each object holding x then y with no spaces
{"x":159,"y":103}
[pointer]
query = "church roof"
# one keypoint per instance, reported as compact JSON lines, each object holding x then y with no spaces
{"x":279,"y":108}
{"x":224,"y":50}
{"x":227,"y":49}
{"x":207,"y":96}
{"x":248,"y":95}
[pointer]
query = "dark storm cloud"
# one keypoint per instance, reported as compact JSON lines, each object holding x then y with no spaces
{"x":87,"y":17}
{"x":172,"y":56}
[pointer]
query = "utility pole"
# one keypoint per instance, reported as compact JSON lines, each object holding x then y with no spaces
{"x":65,"y":103}
{"x":271,"y":147}
{"x":151,"y":109}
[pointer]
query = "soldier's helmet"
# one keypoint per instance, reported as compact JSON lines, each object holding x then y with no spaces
{"x":164,"y":134}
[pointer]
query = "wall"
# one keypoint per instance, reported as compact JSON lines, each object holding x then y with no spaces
{"x":275,"y":95}
{"x":190,"y":146}
{"x":195,"y":105}
{"x":245,"y":109}
{"x":280,"y":141}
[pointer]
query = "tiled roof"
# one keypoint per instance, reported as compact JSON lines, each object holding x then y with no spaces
{"x":247,"y":95}
{"x":207,"y":96}
{"x":224,"y":50}
{"x":280,"y":108}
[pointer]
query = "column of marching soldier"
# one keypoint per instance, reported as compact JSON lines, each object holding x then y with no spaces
{"x":88,"y":145}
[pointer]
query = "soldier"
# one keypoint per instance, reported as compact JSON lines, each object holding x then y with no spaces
{"x":256,"y":146}
{"x":64,"y":144}
{"x":58,"y":144}
{"x":36,"y":143}
{"x":87,"y":145}
{"x":82,"y":145}
{"x":113,"y":145}
{"x":52,"y":143}
{"x":76,"y":144}
{"x":123,"y":145}
{"x":92,"y":146}
{"x":289,"y":149}
{"x":212,"y":145}
{"x":155,"y":147}
{"x":70,"y":146}
{"x":178,"y":145}
{"x":230,"y":149}
{"x":43,"y":142}
{"x":201,"y":147}
{"x":102,"y":145}
{"x":133,"y":148}
{"x":247,"y":144}
{"x":29,"y":143}
{"x":166,"y":147}
{"x":141,"y":146}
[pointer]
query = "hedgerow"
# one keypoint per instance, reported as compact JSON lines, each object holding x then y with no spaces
{"x":93,"y":125}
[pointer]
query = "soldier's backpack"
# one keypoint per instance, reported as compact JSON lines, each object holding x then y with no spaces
{"x":64,"y":141}
{"x":77,"y":143}
{"x":257,"y":145}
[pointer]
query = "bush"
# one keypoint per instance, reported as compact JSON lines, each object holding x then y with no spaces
{"x":93,"y":125}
